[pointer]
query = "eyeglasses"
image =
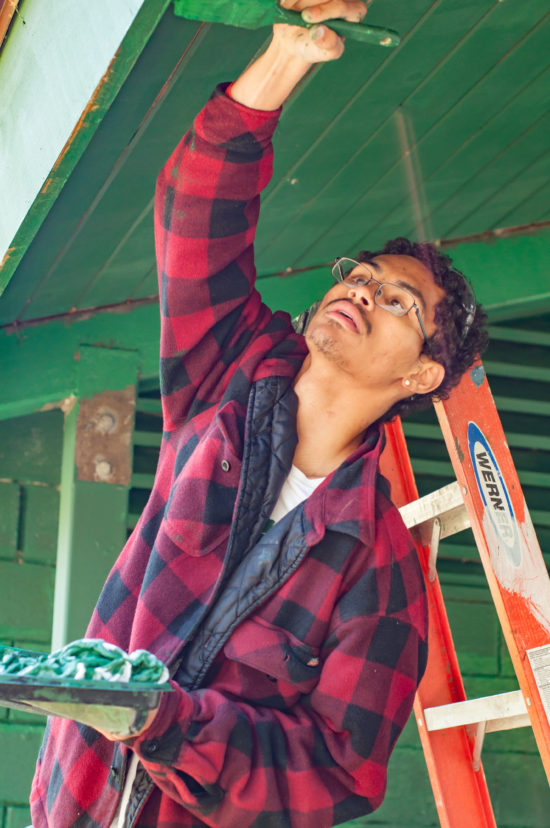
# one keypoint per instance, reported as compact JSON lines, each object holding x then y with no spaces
{"x":390,"y":297}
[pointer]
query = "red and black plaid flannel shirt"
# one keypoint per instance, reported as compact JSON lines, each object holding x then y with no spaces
{"x":296,"y":718}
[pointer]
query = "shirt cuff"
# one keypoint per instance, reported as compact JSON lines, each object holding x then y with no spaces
{"x":162,"y":741}
{"x":224,"y":120}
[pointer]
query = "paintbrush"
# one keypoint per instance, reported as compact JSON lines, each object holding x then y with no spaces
{"x":253,"y":14}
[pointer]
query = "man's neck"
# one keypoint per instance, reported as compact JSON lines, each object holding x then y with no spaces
{"x":332,"y":418}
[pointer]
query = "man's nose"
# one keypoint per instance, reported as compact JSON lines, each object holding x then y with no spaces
{"x":363,"y":295}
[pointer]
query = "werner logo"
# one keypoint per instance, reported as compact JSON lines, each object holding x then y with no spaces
{"x":494,"y":493}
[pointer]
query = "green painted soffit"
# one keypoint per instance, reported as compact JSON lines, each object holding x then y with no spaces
{"x":130,"y":49}
{"x":96,"y":247}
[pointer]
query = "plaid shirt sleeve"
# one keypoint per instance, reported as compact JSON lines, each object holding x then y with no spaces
{"x":322,"y":760}
{"x":206,"y":209}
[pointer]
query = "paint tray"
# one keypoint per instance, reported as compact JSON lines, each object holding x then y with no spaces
{"x":105,"y":704}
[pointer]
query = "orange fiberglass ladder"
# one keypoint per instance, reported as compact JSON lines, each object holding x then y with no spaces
{"x":487,"y":496}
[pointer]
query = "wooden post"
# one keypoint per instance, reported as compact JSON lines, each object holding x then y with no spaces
{"x":95,"y":478}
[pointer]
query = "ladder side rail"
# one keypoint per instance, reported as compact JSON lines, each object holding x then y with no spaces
{"x":460,"y":792}
{"x":511,"y":556}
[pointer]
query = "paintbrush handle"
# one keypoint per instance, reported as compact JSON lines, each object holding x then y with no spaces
{"x":353,"y":31}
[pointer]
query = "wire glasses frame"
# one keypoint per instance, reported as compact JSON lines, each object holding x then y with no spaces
{"x":389,"y":296}
{"x":398,"y":300}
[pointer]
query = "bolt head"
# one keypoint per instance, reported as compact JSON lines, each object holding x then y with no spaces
{"x":103,"y":469}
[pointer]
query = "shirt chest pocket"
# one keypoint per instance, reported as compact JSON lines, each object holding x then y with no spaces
{"x":275,"y":653}
{"x":200,"y":507}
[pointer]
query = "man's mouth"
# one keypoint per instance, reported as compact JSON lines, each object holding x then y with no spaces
{"x":350,"y":315}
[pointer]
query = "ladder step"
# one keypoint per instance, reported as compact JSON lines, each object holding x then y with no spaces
{"x":446,"y":505}
{"x":504,"y":711}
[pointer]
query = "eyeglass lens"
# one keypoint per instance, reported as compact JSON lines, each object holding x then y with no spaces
{"x":389,"y":296}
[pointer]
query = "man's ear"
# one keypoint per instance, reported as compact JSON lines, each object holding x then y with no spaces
{"x":429,"y":376}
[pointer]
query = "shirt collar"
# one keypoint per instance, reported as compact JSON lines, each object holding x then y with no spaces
{"x":345,"y":502}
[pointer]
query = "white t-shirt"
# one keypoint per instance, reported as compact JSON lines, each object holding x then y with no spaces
{"x":296,"y":488}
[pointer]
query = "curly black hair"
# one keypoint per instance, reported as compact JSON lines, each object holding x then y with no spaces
{"x":461,"y":332}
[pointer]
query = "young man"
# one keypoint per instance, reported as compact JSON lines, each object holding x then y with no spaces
{"x":269,"y":569}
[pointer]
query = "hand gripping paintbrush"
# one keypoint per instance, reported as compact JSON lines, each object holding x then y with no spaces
{"x":253,"y":14}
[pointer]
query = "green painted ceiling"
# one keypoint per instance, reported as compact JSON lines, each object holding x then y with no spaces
{"x":444,"y":137}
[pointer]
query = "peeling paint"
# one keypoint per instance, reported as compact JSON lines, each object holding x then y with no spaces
{"x":458,"y":449}
{"x":91,"y":106}
{"x":477,"y":375}
{"x":530,"y":582}
{"x":47,"y":185}
{"x":9,"y":252}
{"x":66,"y":404}
{"x":40,"y":483}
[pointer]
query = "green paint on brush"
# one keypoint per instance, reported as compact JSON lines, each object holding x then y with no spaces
{"x":253,"y":14}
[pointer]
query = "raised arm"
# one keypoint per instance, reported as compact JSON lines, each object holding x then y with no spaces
{"x":206,"y":211}
{"x":268,"y":82}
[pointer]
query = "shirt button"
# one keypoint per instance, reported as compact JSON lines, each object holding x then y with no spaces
{"x":151,"y":747}
{"x":226,"y":465}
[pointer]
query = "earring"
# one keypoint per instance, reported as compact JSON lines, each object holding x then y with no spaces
{"x":406,"y":382}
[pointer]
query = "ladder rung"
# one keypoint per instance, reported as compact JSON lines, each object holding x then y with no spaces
{"x":447,"y":504}
{"x":502,"y":712}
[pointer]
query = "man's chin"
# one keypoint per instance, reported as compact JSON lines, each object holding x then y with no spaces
{"x":324,"y":343}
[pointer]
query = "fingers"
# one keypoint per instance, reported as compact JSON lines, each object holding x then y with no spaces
{"x":327,"y":44}
{"x":315,"y":45}
{"x":315,"y":12}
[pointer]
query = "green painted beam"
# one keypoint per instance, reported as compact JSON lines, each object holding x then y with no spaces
{"x":520,"y":405}
{"x":540,"y":517}
{"x":142,"y":481}
{"x":39,"y":362}
{"x":513,"y":370}
{"x":93,"y":514}
{"x":148,"y":406}
{"x":521,"y":336}
{"x":20,"y":59}
{"x":147,"y":438}
{"x":509,"y":273}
